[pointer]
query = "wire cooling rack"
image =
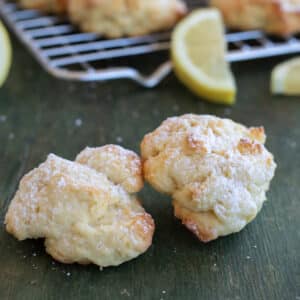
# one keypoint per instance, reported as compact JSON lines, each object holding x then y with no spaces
{"x":67,"y":53}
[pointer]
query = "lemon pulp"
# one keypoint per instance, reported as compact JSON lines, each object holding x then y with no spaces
{"x":198,"y":50}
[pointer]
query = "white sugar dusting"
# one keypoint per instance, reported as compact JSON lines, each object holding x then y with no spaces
{"x":61,"y":182}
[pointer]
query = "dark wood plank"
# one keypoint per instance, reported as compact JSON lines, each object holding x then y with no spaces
{"x":261,"y":262}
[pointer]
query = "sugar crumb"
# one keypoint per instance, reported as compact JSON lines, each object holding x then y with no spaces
{"x":3,"y":118}
{"x":78,"y":122}
{"x":61,"y":182}
{"x":164,"y":292}
{"x":119,"y":139}
{"x":214,"y":268}
{"x":68,"y":274}
{"x":11,"y":136}
{"x":125,"y":292}
{"x":33,"y":254}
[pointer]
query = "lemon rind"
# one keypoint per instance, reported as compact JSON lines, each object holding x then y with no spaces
{"x":7,"y":53}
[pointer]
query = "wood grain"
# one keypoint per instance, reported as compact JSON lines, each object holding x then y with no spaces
{"x":261,"y":262}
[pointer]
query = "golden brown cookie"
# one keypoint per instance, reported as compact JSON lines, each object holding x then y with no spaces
{"x":119,"y":165}
{"x":117,"y":18}
{"x":216,"y":170}
{"x":84,"y":214}
{"x":281,"y":17}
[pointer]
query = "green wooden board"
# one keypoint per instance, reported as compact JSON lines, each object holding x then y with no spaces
{"x":38,"y":115}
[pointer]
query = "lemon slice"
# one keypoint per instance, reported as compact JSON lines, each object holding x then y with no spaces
{"x":285,"y":78}
{"x":5,"y":54}
{"x":198,"y":50}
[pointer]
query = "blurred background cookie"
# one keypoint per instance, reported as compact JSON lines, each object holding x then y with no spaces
{"x":85,"y":215}
{"x":55,"y":6}
{"x":280,"y":17}
{"x":216,"y":170}
{"x":116,"y":18}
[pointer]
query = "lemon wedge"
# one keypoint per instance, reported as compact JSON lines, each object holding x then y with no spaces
{"x":5,"y":54}
{"x":285,"y":78}
{"x":198,"y":50}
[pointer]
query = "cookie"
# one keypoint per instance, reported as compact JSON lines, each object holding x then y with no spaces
{"x":217,"y":171}
{"x":85,"y":212}
{"x":279,"y":17}
{"x":117,"y":18}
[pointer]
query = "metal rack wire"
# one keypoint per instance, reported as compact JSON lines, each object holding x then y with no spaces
{"x":66,"y":53}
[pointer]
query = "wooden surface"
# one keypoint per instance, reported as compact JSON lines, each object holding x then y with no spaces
{"x":38,"y":115}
